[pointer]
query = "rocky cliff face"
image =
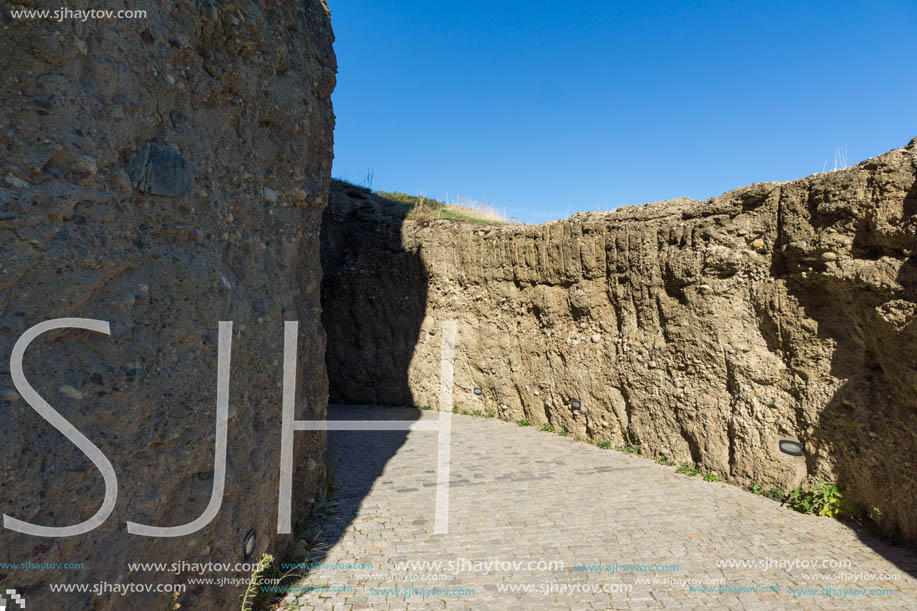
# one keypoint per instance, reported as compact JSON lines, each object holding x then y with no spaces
{"x":162,"y":174}
{"x":700,"y":331}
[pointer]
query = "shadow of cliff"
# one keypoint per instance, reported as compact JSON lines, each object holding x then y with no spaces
{"x":869,"y":424}
{"x":374,"y":296}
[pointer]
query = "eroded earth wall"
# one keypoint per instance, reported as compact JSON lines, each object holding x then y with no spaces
{"x":699,"y":331}
{"x":161,"y":174}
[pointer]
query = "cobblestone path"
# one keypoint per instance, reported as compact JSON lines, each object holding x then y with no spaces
{"x":521,"y":499}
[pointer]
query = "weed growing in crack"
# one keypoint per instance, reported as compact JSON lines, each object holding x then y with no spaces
{"x":824,"y":500}
{"x":775,"y":494}
{"x":251,"y":592}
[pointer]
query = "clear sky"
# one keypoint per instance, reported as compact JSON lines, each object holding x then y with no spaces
{"x":549,"y":108}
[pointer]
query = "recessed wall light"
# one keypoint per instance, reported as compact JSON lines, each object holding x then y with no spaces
{"x":477,"y":390}
{"x":575,"y":404}
{"x":248,"y":544}
{"x":793,"y":448}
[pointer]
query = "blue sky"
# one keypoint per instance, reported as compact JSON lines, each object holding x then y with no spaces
{"x":549,"y":108}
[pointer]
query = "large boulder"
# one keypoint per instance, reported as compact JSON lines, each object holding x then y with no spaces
{"x":162,"y":173}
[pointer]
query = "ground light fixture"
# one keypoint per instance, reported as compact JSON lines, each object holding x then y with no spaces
{"x":477,"y":390}
{"x":793,"y":448}
{"x":248,"y":544}
{"x":575,"y":404}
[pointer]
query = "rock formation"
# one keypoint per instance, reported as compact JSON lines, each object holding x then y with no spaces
{"x":162,"y":174}
{"x":699,"y":331}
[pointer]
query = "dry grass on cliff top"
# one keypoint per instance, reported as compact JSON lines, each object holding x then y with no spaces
{"x":427,"y":209}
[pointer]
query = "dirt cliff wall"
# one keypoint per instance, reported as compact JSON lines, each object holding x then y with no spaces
{"x":162,"y":174}
{"x":700,"y":331}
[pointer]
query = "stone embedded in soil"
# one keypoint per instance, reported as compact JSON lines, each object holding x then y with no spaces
{"x":159,"y":170}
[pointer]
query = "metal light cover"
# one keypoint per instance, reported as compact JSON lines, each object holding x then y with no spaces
{"x":477,"y":390}
{"x":249,"y":543}
{"x":575,"y":404}
{"x":793,"y":448}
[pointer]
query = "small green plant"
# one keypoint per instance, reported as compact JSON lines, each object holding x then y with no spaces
{"x":662,"y":460}
{"x":425,"y":407}
{"x":604,"y":444}
{"x":455,"y":410}
{"x":547,"y":427}
{"x":465,"y":412}
{"x":251,"y":591}
{"x":628,"y":449}
{"x":688,"y":469}
{"x":710,"y":476}
{"x":775,"y":494}
{"x":824,"y":500}
{"x":561,"y":431}
{"x":524,"y":422}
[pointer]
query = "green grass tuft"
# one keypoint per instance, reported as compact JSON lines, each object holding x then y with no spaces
{"x":775,"y":494}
